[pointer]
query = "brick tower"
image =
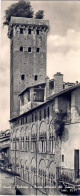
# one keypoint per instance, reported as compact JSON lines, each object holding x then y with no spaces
{"x":28,"y":56}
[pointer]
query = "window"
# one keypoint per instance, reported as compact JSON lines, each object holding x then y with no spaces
{"x":37,"y":31}
{"x":38,"y":94}
{"x":27,"y":174}
{"x":26,"y":119}
{"x":29,"y":49}
{"x":33,"y":142}
{"x":21,"y":30}
{"x":22,"y":172}
{"x":22,"y":143}
{"x":29,"y":31}
{"x":33,"y":175}
{"x":51,"y":143}
{"x":62,"y":158}
{"x":35,"y":77}
{"x":44,"y":113}
{"x":22,"y":121}
{"x":27,"y":143}
{"x":42,"y":142}
{"x":32,"y":118}
{"x":51,"y":179}
{"x":48,"y":112}
{"x":35,"y":117}
{"x":18,"y":121}
{"x":40,"y":115}
{"x":22,"y":77}
{"x":21,"y":49}
{"x":17,"y":143}
{"x":42,"y":177}
{"x":38,"y":50}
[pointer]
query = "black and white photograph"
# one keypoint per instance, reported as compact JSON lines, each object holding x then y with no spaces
{"x":40,"y":97}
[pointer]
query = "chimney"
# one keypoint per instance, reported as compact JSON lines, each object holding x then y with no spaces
{"x":76,"y":82}
{"x":47,"y":87}
{"x":58,"y":82}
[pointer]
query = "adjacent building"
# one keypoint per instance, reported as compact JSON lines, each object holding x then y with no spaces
{"x":5,"y":148}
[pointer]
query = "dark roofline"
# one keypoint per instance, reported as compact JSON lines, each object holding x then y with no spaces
{"x":30,"y":87}
{"x":13,"y":119}
{"x":49,"y":99}
{"x":64,"y":91}
{"x":34,"y":86}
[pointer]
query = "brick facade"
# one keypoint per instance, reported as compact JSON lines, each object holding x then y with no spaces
{"x":36,"y":152}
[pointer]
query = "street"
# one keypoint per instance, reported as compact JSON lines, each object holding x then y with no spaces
{"x":6,"y":184}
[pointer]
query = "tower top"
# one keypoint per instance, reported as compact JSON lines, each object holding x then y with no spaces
{"x":29,"y":21}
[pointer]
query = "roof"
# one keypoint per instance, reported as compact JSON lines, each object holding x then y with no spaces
{"x":49,"y":99}
{"x":4,"y":146}
{"x":35,"y":85}
{"x":29,"y":21}
{"x":64,"y":91}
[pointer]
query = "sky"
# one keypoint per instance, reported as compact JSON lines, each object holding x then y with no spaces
{"x":63,"y":47}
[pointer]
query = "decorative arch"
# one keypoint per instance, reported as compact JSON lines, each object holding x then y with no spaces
{"x":42,"y":164}
{"x":33,"y":137}
{"x":33,"y":164}
{"x":22,"y":129}
{"x":27,"y":171}
{"x":51,"y":127}
{"x":22,"y":169}
{"x":51,"y":137}
{"x":33,"y":170}
{"x":26,"y":138}
{"x":42,"y":127}
{"x":17,"y":133}
{"x":51,"y":166}
{"x":42,"y":173}
{"x":52,"y":174}
{"x":33,"y":129}
{"x":22,"y":138}
{"x":26,"y":128}
{"x":43,"y":137}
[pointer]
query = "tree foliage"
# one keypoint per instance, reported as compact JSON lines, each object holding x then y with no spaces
{"x":39,"y":14}
{"x":59,"y":122}
{"x":21,"y":9}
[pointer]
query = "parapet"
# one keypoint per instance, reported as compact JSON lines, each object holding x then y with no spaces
{"x":32,"y":23}
{"x":29,"y":21}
